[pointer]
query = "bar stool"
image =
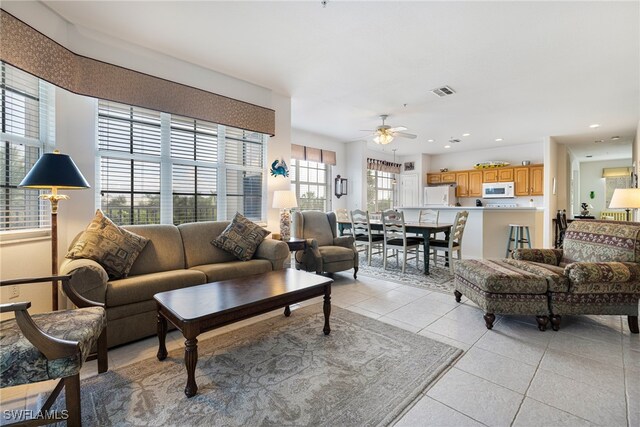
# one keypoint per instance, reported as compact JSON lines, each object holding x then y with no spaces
{"x":519,"y":238}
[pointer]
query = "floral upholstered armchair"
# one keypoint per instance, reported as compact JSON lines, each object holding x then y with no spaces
{"x":596,"y":272}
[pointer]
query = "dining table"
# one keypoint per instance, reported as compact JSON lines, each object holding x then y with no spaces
{"x":423,"y":228}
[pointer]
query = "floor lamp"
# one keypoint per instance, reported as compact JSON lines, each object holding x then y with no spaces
{"x":625,"y":198}
{"x":54,"y":171}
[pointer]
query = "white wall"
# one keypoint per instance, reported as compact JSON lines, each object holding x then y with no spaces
{"x":591,"y":180}
{"x":513,"y":154}
{"x":76,"y":135}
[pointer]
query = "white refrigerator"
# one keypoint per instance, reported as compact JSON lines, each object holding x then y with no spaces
{"x":443,"y":195}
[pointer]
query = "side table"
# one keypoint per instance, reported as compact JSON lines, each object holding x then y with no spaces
{"x":296,"y":244}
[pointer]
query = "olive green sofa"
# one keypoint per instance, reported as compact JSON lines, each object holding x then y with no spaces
{"x":174,"y":258}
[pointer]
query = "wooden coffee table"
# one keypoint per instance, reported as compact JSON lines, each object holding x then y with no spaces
{"x":201,"y":308}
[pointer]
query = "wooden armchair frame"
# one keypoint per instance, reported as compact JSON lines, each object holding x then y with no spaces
{"x":54,"y":348}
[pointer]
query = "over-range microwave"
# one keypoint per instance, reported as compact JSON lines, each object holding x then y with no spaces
{"x":497,"y":190}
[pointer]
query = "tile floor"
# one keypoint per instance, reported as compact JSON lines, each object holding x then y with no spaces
{"x":588,"y":373}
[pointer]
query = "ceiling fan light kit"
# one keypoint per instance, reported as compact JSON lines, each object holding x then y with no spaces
{"x":384,"y":133}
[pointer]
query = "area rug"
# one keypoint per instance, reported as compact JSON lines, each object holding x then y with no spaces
{"x":280,"y":371}
{"x":439,"y":278}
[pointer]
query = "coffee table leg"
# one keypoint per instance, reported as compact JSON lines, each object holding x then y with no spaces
{"x":162,"y":336}
{"x":287,"y":311}
{"x":190,"y":360}
{"x":326,"y":308}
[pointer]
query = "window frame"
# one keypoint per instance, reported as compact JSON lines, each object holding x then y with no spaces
{"x":43,"y":142}
{"x":295,"y":168}
{"x":374,"y":205}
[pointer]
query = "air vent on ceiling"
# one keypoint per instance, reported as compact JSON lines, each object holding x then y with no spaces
{"x":454,"y":140}
{"x":443,"y":91}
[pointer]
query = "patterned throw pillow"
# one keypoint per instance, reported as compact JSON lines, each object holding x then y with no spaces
{"x":241,"y":238}
{"x":113,"y":247}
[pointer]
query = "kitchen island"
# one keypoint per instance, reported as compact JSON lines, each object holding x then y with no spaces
{"x":487,"y":229}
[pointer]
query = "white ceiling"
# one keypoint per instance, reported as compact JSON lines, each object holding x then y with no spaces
{"x":521,"y":70}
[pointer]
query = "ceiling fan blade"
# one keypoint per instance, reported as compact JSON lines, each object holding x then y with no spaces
{"x":405,"y":135}
{"x":397,"y":129}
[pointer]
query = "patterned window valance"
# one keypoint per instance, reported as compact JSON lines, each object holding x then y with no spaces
{"x":24,"y":47}
{"x":300,"y":152}
{"x":383,"y":165}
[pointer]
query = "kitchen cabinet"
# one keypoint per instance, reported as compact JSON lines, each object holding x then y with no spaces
{"x":434,"y":178}
{"x":448,"y":177}
{"x":462,"y":181}
{"x":529,"y":181}
{"x":490,"y":175}
{"x":505,"y":174}
{"x":475,"y":183}
{"x":521,"y":180}
{"x":536,"y":178}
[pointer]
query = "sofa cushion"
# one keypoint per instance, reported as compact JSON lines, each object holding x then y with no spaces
{"x":109,"y":245}
{"x":233,"y":269}
{"x":196,"y":238}
{"x":144,"y":287}
{"x":601,"y":241}
{"x":164,"y":251}
{"x":555,"y":275}
{"x":500,"y":276}
{"x":336,"y":253}
{"x":241,"y":238}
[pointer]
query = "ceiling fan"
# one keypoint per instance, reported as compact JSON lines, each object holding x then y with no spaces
{"x":384,"y":133}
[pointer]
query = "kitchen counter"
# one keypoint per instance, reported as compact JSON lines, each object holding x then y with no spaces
{"x":487,"y":229}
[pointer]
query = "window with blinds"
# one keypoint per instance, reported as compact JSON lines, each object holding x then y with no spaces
{"x":310,"y":182}
{"x":159,"y":168}
{"x":129,"y":142}
{"x":27,"y":130}
{"x":380,"y":190}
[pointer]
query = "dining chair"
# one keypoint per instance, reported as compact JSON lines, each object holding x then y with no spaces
{"x":396,"y":239}
{"x":431,"y":216}
{"x":561,"y":223}
{"x":454,"y":243}
{"x":361,"y":226}
{"x":342,"y":216}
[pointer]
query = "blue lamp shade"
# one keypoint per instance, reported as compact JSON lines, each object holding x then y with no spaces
{"x":55,"y":170}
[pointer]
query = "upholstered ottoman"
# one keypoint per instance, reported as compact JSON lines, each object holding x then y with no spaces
{"x":505,"y":286}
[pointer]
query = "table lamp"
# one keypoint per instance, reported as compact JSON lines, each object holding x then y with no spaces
{"x":625,"y":198}
{"x":285,"y":200}
{"x":54,"y":171}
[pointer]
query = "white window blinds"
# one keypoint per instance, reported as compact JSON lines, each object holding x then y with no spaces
{"x":27,"y":131}
{"x":159,"y":168}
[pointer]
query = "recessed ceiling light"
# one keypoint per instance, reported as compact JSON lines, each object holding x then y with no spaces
{"x":595,"y":125}
{"x":466,"y":134}
{"x":429,"y":140}
{"x":447,"y":146}
{"x":615,"y":138}
{"x":498,"y":139}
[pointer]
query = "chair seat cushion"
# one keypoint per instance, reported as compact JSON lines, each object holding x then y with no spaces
{"x":411,"y":241}
{"x":438,"y":243}
{"x":555,"y":275}
{"x":374,"y":238}
{"x":22,"y":363}
{"x":336,"y":253}
{"x":499,"y":276}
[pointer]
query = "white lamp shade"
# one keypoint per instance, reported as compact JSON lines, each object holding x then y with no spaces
{"x":625,"y":198}
{"x":284,"y":199}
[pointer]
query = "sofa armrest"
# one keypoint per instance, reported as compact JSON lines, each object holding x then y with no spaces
{"x":544,"y":256}
{"x":88,"y":279}
{"x":275,"y":251}
{"x":344,"y":241}
{"x":602,"y":272}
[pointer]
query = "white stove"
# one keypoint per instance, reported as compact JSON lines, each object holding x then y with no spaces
{"x":501,"y":205}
